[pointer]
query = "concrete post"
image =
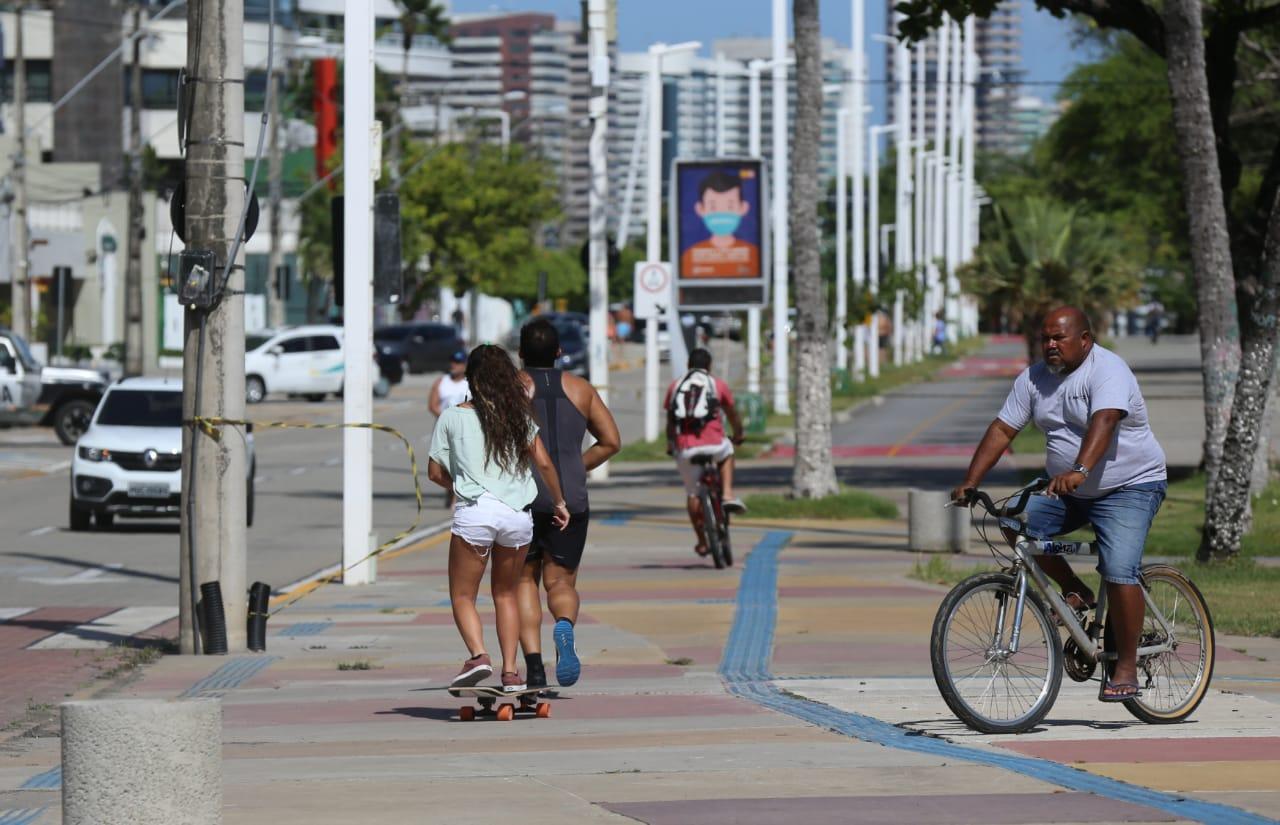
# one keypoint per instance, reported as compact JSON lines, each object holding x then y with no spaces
{"x":960,"y":526}
{"x":142,"y":762}
{"x":929,"y":529}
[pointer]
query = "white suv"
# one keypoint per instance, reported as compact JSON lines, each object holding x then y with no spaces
{"x":304,"y":361}
{"x":129,"y":461}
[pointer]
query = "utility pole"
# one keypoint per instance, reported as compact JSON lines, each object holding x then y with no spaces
{"x":275,"y":194}
{"x":214,"y":469}
{"x":598,"y":200}
{"x":20,"y":291}
{"x":781,"y":230}
{"x":133,"y":356}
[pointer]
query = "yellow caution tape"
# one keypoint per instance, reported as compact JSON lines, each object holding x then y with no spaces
{"x":212,"y":427}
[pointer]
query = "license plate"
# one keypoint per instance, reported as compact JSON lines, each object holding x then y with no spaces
{"x":148,"y":491}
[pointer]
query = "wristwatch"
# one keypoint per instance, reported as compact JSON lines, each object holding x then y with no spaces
{"x":1081,"y":469}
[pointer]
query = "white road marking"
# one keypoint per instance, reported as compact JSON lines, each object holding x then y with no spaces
{"x":109,"y":630}
{"x":93,"y":575}
{"x":41,"y":531}
{"x":297,"y":471}
{"x":7,"y":613}
{"x":333,"y":462}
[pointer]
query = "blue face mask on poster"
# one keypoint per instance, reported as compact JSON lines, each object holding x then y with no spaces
{"x":722,"y":223}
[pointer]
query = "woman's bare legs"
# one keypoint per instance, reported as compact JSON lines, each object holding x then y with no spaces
{"x":466,"y":569}
{"x":508,"y":564}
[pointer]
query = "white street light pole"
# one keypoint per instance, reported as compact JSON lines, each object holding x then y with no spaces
{"x":357,"y":394}
{"x":753,"y":150}
{"x":874,"y":229}
{"x":597,"y":204}
{"x":653,"y":249}
{"x":936,"y":282}
{"x":921,"y":109}
{"x":858,"y":39}
{"x":969,"y":218}
{"x":954,"y":211}
{"x":781,"y":232}
{"x":842,"y":238}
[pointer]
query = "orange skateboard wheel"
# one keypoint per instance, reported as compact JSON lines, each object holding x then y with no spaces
{"x":506,"y":713}
{"x":467,"y":714}
{"x":544,"y":710}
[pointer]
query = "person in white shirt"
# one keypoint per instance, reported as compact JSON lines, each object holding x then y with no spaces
{"x":450,"y":389}
{"x":1107,"y":471}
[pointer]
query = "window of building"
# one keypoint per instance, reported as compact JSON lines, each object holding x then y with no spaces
{"x":39,"y":81}
{"x":518,"y":48}
{"x":159,"y":88}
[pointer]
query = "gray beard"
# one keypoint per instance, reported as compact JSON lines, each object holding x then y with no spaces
{"x":1056,"y":369}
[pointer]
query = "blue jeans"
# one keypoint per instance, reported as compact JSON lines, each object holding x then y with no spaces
{"x":1120,"y":519}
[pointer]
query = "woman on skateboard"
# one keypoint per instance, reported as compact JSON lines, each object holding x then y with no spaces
{"x":481,"y":452}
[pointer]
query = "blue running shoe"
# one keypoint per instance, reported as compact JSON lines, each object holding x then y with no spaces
{"x":568,"y":666}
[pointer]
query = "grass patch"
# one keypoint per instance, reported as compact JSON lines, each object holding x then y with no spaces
{"x":124,"y":659}
{"x":360,"y":664}
{"x":1029,"y":441}
{"x":847,"y":504}
{"x":939,"y":570}
{"x":683,"y":661}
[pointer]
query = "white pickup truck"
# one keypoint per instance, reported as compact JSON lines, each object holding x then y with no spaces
{"x":60,"y":397}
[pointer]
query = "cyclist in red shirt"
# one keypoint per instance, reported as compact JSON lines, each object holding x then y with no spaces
{"x":694,"y":406}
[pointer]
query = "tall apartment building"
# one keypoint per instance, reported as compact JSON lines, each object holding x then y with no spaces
{"x":690,"y":88}
{"x":998,"y":42}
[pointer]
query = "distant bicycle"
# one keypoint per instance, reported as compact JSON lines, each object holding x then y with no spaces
{"x":715,"y":519}
{"x":996,"y":651}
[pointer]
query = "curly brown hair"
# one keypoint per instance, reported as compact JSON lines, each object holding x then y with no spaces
{"x":502,"y":405}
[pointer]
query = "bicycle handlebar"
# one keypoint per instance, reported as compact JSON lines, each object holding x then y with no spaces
{"x":976,"y":496}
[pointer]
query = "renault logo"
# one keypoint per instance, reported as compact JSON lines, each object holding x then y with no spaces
{"x":149,"y":458}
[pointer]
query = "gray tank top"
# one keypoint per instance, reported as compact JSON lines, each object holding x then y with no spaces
{"x":562,"y":430}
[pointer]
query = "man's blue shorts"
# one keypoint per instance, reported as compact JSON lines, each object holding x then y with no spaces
{"x":1120,"y":519}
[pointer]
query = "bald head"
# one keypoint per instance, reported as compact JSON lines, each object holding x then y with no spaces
{"x":1066,"y":337}
{"x":1073,"y":317}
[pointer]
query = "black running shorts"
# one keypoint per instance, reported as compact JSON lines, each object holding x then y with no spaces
{"x":564,"y":547}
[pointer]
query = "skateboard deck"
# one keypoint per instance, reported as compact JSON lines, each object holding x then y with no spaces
{"x":488,"y":702}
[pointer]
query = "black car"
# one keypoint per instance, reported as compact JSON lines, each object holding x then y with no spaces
{"x":419,"y":346}
{"x":573,"y":345}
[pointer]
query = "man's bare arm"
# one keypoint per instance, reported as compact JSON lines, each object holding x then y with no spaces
{"x":433,"y":398}
{"x":996,"y":440}
{"x":735,"y":422}
{"x":604,"y":430}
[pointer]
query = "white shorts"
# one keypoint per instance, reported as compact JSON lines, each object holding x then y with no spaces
{"x":487,"y":521}
{"x":691,"y":473}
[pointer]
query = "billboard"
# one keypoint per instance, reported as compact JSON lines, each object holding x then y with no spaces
{"x":719,"y":235}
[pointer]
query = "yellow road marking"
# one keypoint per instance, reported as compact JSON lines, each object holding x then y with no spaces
{"x":929,"y":422}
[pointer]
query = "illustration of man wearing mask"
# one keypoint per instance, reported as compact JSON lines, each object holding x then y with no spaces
{"x":721,"y":206}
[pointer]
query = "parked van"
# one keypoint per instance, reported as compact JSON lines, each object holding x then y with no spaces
{"x":305,"y":361}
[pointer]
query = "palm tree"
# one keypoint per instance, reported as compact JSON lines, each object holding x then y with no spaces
{"x":1045,"y":253}
{"x":814,"y":475}
{"x":417,"y":17}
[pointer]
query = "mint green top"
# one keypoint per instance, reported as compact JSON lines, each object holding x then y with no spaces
{"x":458,"y":446}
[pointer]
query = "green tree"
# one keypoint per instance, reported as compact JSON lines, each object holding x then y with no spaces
{"x":469,"y":215}
{"x":1044,"y":254}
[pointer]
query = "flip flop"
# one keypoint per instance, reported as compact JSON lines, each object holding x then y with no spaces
{"x":701,"y":550}
{"x":1119,"y":691}
{"x":1076,"y":602}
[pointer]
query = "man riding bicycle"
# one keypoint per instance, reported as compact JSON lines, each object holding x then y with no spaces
{"x":694,"y":429}
{"x":1107,"y":470}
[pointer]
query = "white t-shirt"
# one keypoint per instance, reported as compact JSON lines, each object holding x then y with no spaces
{"x":453,"y":393}
{"x":1061,"y":406}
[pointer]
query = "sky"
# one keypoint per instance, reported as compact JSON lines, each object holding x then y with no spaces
{"x":1048,"y":53}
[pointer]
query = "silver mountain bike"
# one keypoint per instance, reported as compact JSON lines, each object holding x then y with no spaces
{"x":996,"y":648}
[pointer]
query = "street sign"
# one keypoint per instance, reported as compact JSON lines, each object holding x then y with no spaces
{"x":652,"y":289}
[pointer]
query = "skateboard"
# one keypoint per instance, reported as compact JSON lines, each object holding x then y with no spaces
{"x":487,"y":696}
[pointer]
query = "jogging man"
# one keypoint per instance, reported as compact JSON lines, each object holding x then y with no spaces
{"x":694,"y":428}
{"x":1107,"y":470}
{"x":450,"y":390}
{"x":567,"y":407}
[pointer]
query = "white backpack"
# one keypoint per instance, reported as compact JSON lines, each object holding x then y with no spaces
{"x":694,"y":401}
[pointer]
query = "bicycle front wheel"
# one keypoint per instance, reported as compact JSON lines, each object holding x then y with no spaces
{"x":726,"y":549}
{"x":1178,"y":679}
{"x":988,"y":687}
{"x":711,"y":530}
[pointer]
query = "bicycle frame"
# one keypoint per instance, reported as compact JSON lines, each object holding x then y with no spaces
{"x":1027,"y":569}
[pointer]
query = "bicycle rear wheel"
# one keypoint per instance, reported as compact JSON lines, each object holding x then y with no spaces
{"x":726,"y":549}
{"x":711,"y":529}
{"x":988,"y":688}
{"x":1178,"y":679}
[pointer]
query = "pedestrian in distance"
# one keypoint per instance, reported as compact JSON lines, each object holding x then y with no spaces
{"x":484,"y":451}
{"x":567,"y":407}
{"x":695,"y":404}
{"x":940,"y":333}
{"x":1107,"y":470}
{"x":450,"y":390}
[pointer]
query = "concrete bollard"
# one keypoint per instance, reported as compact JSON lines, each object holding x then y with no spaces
{"x":929,"y":524}
{"x":960,"y":520}
{"x":142,"y":762}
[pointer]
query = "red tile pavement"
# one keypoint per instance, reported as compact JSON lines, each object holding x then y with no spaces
{"x":39,"y":677}
{"x":1208,"y":749}
{"x":919,"y":809}
{"x":439,"y":705}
